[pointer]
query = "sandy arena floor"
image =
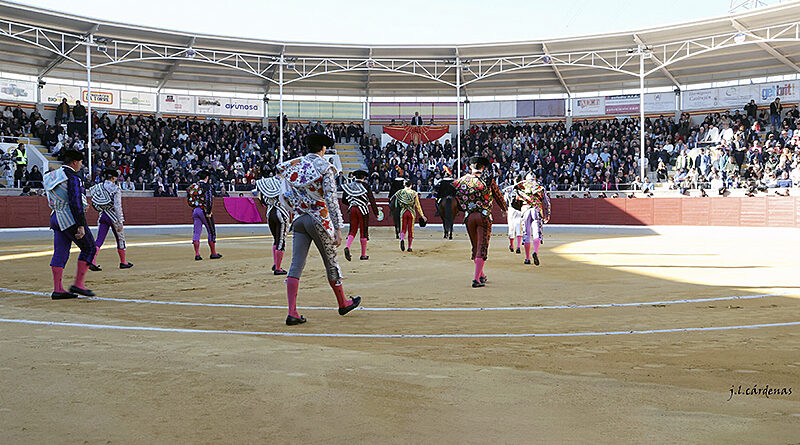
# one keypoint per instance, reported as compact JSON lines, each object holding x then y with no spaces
{"x":84,"y":382}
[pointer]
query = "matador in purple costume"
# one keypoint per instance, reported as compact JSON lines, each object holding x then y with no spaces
{"x":107,"y":200}
{"x":65,"y":195}
{"x":201,"y":198}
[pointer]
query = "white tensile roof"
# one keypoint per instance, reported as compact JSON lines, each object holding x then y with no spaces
{"x":757,"y":43}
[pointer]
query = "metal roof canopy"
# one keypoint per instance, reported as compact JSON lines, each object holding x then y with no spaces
{"x":757,"y":43}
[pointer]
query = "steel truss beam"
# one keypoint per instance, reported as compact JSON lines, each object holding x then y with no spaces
{"x":621,"y":60}
{"x":60,"y":43}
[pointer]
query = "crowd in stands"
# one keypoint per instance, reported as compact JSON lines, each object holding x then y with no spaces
{"x":727,"y":150}
{"x":752,"y":150}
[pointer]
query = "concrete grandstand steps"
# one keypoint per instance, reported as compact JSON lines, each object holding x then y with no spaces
{"x":351,"y":157}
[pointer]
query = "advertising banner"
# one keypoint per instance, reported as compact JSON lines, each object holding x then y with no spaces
{"x":698,"y":99}
{"x":549,"y":108}
{"x":137,"y":101}
{"x":589,"y":106}
{"x":17,"y":90}
{"x":525,"y":108}
{"x":659,"y":102}
{"x":787,"y":91}
{"x":217,"y":106}
{"x":53,"y":94}
{"x":101,"y":98}
{"x":622,"y":104}
{"x":174,"y":103}
{"x":245,"y":107}
{"x":735,"y":96}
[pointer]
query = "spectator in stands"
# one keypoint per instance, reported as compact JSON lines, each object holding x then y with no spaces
{"x":62,"y":112}
{"x":79,"y":112}
{"x":35,"y":178}
{"x":775,"y":110}
{"x":417,"y":119}
{"x":751,"y":109}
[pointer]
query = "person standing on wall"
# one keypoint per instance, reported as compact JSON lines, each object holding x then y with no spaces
{"x":62,"y":112}
{"x":775,"y":109}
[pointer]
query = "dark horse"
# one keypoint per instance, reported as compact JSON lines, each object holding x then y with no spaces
{"x":395,"y":211}
{"x":448,"y":209}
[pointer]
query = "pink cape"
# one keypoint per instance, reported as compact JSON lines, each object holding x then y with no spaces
{"x":243,"y":209}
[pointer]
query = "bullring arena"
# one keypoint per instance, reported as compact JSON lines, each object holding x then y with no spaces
{"x":653,"y":318}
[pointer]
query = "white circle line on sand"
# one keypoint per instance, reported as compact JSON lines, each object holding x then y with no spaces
{"x":416,"y":309}
{"x":331,"y":335}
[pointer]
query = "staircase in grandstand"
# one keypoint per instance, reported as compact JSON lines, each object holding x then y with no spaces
{"x":36,"y":144}
{"x":351,"y":157}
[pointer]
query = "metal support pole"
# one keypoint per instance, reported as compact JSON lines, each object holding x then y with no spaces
{"x":458,"y":115}
{"x":280,"y":106}
{"x":89,"y":106}
{"x":642,"y":167}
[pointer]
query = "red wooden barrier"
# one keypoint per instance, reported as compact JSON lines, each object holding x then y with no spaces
{"x":772,"y":211}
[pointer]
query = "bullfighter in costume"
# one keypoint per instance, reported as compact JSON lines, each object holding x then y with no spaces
{"x":535,"y":212}
{"x":201,"y":199}
{"x":279,"y":216}
{"x":408,"y":203}
{"x":396,"y":185}
{"x":65,"y":195}
{"x":358,"y":196}
{"x":475,"y":192}
{"x":514,"y":218}
{"x":107,"y":200}
{"x":312,"y":194}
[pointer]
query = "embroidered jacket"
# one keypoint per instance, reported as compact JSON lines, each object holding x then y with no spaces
{"x":272,"y":192}
{"x":475,"y":194}
{"x":113,"y":206}
{"x":199,"y":195}
{"x":533,"y":195}
{"x":408,"y":201}
{"x":358,"y":194}
{"x":65,"y":195}
{"x":312,"y":190}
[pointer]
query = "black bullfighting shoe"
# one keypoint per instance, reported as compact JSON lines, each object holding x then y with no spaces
{"x":95,"y":268}
{"x":291,"y":321}
{"x":364,"y":257}
{"x":125,"y":265}
{"x":216,"y":256}
{"x":344,"y":310}
{"x":403,"y":245}
{"x":198,"y":258}
{"x":77,"y":290}
{"x":535,"y":259}
{"x":62,"y":295}
{"x":476,"y":283}
{"x":279,"y":272}
{"x":347,"y":255}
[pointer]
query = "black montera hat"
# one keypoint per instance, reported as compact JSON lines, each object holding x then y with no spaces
{"x":317,"y":140}
{"x":72,"y":155}
{"x":480,"y":161}
{"x":360,"y":174}
{"x":110,"y":173}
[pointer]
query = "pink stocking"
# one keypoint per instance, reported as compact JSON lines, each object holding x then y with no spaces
{"x":292,"y":285}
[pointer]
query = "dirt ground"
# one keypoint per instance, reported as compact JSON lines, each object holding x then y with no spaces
{"x":77,"y":384}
